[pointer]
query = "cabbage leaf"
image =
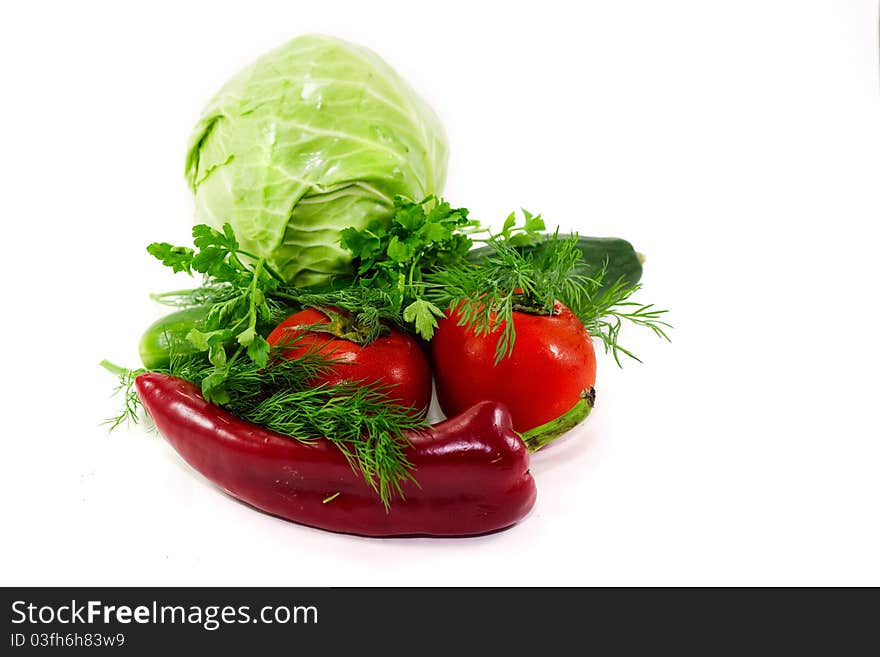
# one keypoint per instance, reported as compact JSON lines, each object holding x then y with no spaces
{"x":316,"y":136}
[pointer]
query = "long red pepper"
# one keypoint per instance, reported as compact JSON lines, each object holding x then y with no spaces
{"x":472,"y":470}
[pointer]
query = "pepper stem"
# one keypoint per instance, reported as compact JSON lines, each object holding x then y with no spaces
{"x":543,"y":435}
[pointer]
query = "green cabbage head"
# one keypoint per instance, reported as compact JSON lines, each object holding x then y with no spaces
{"x":312,"y":138}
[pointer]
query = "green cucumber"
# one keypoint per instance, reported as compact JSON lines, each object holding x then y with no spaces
{"x":167,"y":335}
{"x":619,"y":257}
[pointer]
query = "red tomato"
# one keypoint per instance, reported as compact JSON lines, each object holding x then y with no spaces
{"x":552,"y":367}
{"x":393,"y":359}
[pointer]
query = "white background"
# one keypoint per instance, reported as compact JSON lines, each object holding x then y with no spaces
{"x":735,"y":143}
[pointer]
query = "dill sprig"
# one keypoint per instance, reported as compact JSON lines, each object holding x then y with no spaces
{"x":369,"y":308}
{"x":604,"y":314}
{"x":207,"y":294}
{"x":485,"y":296}
{"x":359,"y":419}
{"x":131,"y":403}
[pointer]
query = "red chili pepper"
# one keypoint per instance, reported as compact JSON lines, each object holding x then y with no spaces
{"x":472,"y":470}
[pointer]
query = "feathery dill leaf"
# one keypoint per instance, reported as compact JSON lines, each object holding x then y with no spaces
{"x":207,"y":294}
{"x":511,"y":279}
{"x":131,"y":403}
{"x":603,"y":313}
{"x":368,"y":307}
{"x":359,"y":419}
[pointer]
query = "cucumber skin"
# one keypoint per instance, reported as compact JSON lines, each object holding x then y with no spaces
{"x":623,"y":261}
{"x":168,"y":334}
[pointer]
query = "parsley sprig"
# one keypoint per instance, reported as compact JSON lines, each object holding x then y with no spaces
{"x":392,"y":258}
{"x":422,"y":237}
{"x":238,"y":284}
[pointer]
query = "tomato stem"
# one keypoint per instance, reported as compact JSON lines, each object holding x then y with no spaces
{"x":543,"y":435}
{"x":342,"y":326}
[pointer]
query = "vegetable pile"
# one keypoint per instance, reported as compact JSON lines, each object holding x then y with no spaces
{"x":336,"y":285}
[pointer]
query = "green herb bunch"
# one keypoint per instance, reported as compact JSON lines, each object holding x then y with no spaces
{"x":237,"y":285}
{"x":422,"y":237}
{"x":360,"y":420}
{"x":485,"y":295}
